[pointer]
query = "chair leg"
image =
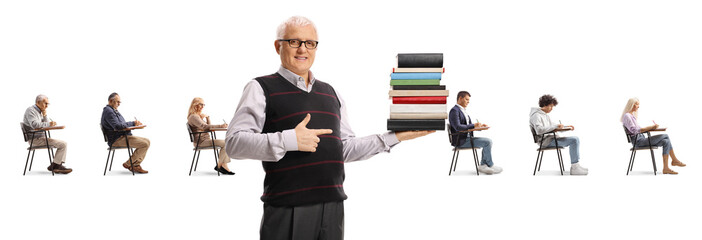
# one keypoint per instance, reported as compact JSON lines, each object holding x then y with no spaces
{"x":653,"y":159}
{"x":562,"y":167}
{"x":31,"y":162}
{"x":214,"y":149}
{"x":631,"y":161}
{"x":26,"y":162}
{"x":112,"y":160}
{"x":560,"y":160}
{"x":197,"y":160}
{"x":453,"y":158}
{"x":538,"y":154}
{"x":192,"y":163}
{"x":106,"y":162}
{"x":48,"y":150}
{"x":456,"y":164}
{"x":541,"y":159}
{"x":129,"y":151}
{"x":475,"y":159}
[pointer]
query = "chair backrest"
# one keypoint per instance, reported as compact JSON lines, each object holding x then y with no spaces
{"x":190,"y":132}
{"x":104,"y":132}
{"x":24,"y":132}
{"x":533,"y":134}
{"x":450,"y":132}
{"x":628,"y":135}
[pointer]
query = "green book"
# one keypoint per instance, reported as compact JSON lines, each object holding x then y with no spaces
{"x":396,"y":82}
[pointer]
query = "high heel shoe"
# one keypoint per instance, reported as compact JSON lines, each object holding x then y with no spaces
{"x":223,"y":171}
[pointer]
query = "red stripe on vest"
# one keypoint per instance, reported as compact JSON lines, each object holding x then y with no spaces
{"x":298,"y":113}
{"x":328,"y":95}
{"x":330,"y":136}
{"x":303,"y":189}
{"x":283,"y":93}
{"x":304,"y":165}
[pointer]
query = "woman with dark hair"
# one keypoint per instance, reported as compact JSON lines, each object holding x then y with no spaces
{"x":631,"y":112}
{"x":541,"y":122}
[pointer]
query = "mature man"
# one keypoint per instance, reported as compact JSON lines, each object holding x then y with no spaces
{"x":541,"y":122}
{"x":113,"y":122}
{"x":303,"y":188}
{"x":35,"y":117}
{"x":461,"y":121}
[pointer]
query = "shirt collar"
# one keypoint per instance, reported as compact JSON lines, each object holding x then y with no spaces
{"x":296,"y":79}
{"x":113,"y":109}
{"x":461,"y":107}
{"x":37,"y":108}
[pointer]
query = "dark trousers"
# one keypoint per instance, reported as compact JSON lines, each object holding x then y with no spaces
{"x":322,"y":221}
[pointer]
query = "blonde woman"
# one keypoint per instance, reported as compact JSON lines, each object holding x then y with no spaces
{"x":200,"y":122}
{"x":631,"y":112}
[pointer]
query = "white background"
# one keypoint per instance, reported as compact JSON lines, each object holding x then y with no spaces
{"x":158,"y":55}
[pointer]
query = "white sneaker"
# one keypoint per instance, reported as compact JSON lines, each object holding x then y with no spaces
{"x":581,"y":166}
{"x":496,"y":169}
{"x":576,"y":169}
{"x":485,"y":169}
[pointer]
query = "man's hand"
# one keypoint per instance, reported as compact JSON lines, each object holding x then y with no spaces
{"x":52,"y":123}
{"x":137,"y":123}
{"x":407,"y":135}
{"x":307,"y":138}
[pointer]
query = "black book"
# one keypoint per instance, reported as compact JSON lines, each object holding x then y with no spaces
{"x":416,"y":124}
{"x":420,"y":60}
{"x":419,"y":87}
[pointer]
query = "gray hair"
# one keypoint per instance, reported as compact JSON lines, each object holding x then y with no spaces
{"x":40,"y":98}
{"x":112,"y":96}
{"x":295,"y":21}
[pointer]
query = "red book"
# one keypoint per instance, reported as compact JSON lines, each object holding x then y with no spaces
{"x":419,"y":100}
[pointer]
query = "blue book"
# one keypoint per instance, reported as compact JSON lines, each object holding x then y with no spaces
{"x":421,"y":75}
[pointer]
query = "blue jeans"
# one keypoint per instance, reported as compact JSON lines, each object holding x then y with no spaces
{"x":658,"y":140}
{"x":573,"y":144}
{"x":486,"y":145}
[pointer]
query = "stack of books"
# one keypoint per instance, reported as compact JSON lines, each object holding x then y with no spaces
{"x":418,"y":99}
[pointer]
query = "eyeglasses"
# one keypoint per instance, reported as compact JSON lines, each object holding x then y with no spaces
{"x":201,"y":104}
{"x":296,"y":43}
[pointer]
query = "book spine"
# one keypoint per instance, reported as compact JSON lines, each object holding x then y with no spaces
{"x":432,"y":70}
{"x":412,"y":124}
{"x":419,"y":100}
{"x":420,"y":60}
{"x":395,"y":76}
{"x":418,"y":115}
{"x":415,"y":82}
{"x":418,"y":93}
{"x":418,"y":108}
{"x":419,"y":87}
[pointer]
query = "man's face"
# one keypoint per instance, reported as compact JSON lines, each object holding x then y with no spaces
{"x":548,"y":109}
{"x":464,"y":101}
{"x":43,"y":104}
{"x":116,"y":102}
{"x":298,"y":60}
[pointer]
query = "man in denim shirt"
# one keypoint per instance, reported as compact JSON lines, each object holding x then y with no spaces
{"x":112,"y":122}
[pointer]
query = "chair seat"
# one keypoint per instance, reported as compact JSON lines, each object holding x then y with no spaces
{"x":550,"y":148}
{"x":465,"y":148}
{"x":39,"y":147}
{"x":643,"y":148}
{"x":201,"y":148}
{"x":113,"y":148}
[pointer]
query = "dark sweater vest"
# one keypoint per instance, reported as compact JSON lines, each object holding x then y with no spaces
{"x":302,"y":178}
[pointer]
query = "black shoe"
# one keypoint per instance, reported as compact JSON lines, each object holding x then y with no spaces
{"x":223,"y":171}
